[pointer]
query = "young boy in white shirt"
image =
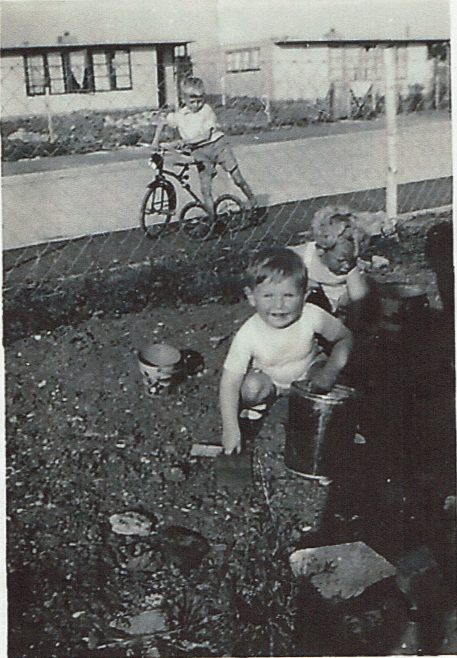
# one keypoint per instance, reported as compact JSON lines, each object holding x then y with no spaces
{"x":197,"y":125}
{"x":278,"y":344}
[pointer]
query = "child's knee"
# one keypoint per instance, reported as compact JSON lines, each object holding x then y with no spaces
{"x":256,"y":388}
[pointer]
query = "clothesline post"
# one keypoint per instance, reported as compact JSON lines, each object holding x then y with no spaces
{"x":390,"y":66}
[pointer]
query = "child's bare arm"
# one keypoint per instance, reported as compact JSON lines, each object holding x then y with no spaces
{"x":229,"y":398}
{"x":323,"y":379}
{"x":357,"y":285}
{"x":160,"y":122}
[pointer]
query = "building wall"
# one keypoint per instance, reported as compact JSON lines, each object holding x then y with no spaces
{"x":300,"y":73}
{"x":212,"y":66}
{"x":297,"y":72}
{"x":420,"y":69}
{"x":15,"y":101}
{"x":171,"y":91}
{"x":208,"y":64}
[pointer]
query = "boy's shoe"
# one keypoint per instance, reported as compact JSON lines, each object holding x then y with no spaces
{"x":256,"y":412}
{"x":251,"y":421}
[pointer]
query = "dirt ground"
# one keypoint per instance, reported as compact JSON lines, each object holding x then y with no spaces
{"x":84,"y":441}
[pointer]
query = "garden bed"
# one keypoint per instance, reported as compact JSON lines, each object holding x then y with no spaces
{"x":84,"y":442}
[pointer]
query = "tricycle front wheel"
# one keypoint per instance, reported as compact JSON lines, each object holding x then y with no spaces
{"x":157,"y":208}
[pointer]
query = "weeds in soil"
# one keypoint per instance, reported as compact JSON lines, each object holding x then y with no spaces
{"x":249,"y":596}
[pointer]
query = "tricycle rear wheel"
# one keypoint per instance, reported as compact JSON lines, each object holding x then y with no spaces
{"x":195,"y":222}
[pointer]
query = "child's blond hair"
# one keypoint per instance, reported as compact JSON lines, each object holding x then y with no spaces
{"x":333,"y":224}
{"x":191,"y":83}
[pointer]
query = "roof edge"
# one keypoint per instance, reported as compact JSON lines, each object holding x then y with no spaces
{"x":286,"y":42}
{"x":96,"y":44}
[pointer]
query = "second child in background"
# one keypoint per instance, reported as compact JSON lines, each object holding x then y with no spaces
{"x":334,"y":281}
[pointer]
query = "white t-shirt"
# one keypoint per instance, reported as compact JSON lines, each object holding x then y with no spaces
{"x":334,"y":285}
{"x":285,"y":355}
{"x":195,"y":125}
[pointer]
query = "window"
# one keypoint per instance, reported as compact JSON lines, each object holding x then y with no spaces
{"x":180,"y":51}
{"x":353,"y":63}
{"x":78,"y":71}
{"x":111,"y":70}
{"x":246,"y":59}
{"x":56,"y":73}
{"x":438,"y":51}
{"x":36,"y":75}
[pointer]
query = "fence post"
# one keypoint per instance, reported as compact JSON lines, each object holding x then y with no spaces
{"x":51,"y":133}
{"x":265,"y":100}
{"x":390,"y":66}
{"x":223,"y":92}
{"x":436,"y":84}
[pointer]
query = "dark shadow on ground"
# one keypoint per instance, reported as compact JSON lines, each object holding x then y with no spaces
{"x":393,"y":495}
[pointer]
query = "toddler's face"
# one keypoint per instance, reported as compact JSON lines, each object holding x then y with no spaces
{"x":193,"y":99}
{"x":341,"y":258}
{"x":278,"y":302}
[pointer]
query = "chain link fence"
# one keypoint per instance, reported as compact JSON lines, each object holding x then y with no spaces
{"x":307,"y":125}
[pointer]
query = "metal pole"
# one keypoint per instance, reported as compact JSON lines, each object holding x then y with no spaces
{"x":223,"y":92}
{"x":390,"y":65}
{"x":448,"y":77}
{"x":51,"y":133}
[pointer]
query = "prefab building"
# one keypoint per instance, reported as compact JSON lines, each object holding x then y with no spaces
{"x":310,"y":70}
{"x":67,"y":77}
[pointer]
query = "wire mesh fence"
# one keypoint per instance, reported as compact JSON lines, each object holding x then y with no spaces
{"x":307,"y":126}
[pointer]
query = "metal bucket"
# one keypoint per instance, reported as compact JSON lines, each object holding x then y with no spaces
{"x":401,"y":304}
{"x":160,"y":366}
{"x":321,"y":429}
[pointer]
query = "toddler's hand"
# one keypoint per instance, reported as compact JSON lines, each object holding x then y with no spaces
{"x":231,"y":443}
{"x":323,"y":380}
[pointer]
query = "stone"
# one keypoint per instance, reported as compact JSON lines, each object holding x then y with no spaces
{"x":145,"y":623}
{"x":205,"y":450}
{"x":131,"y":523}
{"x":375,"y":223}
{"x":379,"y":262}
{"x":174,"y":474}
{"x":342,"y":571}
{"x":25,"y":136}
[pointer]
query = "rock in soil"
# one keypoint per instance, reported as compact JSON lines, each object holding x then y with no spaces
{"x":342,"y":571}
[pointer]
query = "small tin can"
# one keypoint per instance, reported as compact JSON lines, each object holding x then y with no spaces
{"x":160,"y":366}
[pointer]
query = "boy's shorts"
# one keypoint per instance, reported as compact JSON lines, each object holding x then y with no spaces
{"x":279,"y":391}
{"x":210,"y":155}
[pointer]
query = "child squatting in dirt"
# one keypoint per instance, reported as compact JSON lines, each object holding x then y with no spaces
{"x":278,"y":344}
{"x":334,"y":281}
{"x":197,"y":125}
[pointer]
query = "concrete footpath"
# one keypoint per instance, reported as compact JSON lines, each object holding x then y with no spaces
{"x":94,"y":198}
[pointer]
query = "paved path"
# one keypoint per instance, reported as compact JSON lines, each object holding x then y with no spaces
{"x":85,"y":200}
